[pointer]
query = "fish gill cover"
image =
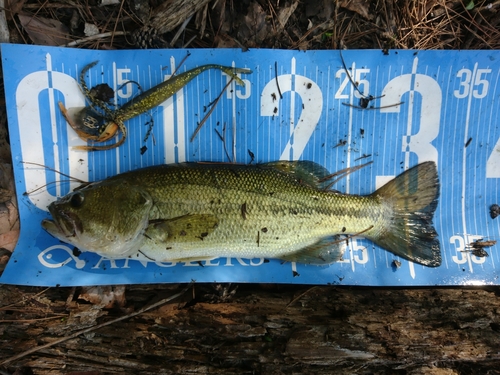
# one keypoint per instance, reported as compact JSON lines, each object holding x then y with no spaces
{"x":396,"y":110}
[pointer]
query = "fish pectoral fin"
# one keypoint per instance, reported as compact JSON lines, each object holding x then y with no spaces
{"x":325,"y":251}
{"x":307,"y":172}
{"x":185,"y":228}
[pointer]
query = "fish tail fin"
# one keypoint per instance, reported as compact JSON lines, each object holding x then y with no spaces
{"x":413,"y":197}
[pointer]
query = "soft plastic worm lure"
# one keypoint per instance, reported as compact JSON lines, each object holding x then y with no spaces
{"x":91,"y":125}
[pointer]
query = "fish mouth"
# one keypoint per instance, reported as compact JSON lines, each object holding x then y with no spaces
{"x":65,"y":224}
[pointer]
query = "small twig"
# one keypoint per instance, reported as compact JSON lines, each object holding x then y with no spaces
{"x":26,"y":193}
{"x":32,"y":320}
{"x":116,"y":23}
{"x":349,"y":236}
{"x":349,"y":74}
{"x":71,"y":179}
{"x":26,"y":299}
{"x":223,"y":139}
{"x":189,"y":42}
{"x":214,"y":103}
{"x":300,"y":296}
{"x":342,"y":173}
{"x":363,"y":157}
{"x":365,"y":100}
{"x":94,"y":37}
{"x":90,"y":329}
{"x":181,"y":29}
{"x":370,"y":108}
{"x":55,"y":171}
{"x":276,"y":78}
{"x":180,"y":64}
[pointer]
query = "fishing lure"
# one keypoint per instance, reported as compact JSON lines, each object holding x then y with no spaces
{"x":100,"y":121}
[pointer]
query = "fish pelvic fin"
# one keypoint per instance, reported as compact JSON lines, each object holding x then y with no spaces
{"x":413,"y":196}
{"x":326,"y":251}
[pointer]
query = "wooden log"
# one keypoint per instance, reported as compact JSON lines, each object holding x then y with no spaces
{"x":229,"y":329}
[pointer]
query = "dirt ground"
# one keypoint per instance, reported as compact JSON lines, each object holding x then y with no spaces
{"x":251,"y":328}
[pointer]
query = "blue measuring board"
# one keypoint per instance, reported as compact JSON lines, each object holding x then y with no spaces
{"x":432,"y":105}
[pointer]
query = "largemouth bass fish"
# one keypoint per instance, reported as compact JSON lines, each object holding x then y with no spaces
{"x":201,"y":211}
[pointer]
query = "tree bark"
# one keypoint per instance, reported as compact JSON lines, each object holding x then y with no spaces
{"x":248,"y":329}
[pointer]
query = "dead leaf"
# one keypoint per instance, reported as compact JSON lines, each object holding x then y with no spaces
{"x":5,"y":195}
{"x":8,"y":240}
{"x":45,"y":31}
{"x":90,"y":29}
{"x":4,"y":258}
{"x":362,"y":7}
{"x":9,"y":215}
{"x":225,"y":41}
{"x":5,"y":155}
{"x":104,"y":296}
{"x":254,"y":28}
{"x":322,"y":9}
{"x":13,"y":7}
{"x":284,"y":15}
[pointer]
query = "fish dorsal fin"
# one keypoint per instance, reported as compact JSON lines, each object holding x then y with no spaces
{"x":184,"y":228}
{"x":326,"y":251}
{"x":308,"y":172}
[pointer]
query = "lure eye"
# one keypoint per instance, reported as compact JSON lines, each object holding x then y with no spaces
{"x":76,"y":200}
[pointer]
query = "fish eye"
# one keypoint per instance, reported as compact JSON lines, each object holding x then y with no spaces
{"x":76,"y":200}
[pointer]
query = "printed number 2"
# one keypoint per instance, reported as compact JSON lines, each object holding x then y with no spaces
{"x":311,"y":96}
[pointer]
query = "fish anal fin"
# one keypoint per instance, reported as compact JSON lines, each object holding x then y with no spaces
{"x":326,"y":251}
{"x":184,"y":228}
